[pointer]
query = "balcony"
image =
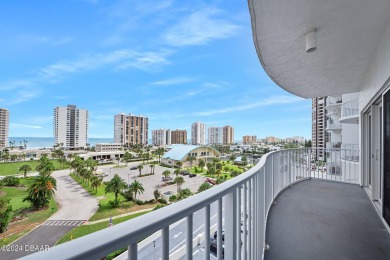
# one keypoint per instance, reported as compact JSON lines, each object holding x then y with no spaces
{"x":333,"y":126}
{"x":350,"y":112}
{"x":337,"y":213}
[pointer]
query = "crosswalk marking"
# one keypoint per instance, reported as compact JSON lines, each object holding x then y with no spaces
{"x":63,"y":222}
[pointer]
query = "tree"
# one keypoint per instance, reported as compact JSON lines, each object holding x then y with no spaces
{"x":41,"y":191}
{"x":179,"y":164}
{"x":218,"y":172}
{"x":176,"y":172}
{"x":204,"y":186}
{"x":156,"y":194}
{"x":184,"y":193}
{"x":211,"y":170}
{"x":179,"y":180}
{"x":5,"y":213}
{"x":151,"y":168}
{"x":116,"y":185}
{"x":25,"y":168}
{"x":244,"y":160}
{"x":191,"y":159}
{"x":218,"y":166}
{"x":45,"y":166}
{"x":308,"y":143}
{"x":137,"y":188}
{"x":159,"y":153}
{"x":96,"y":182}
{"x":6,"y":156}
{"x":201,"y":164}
{"x":166,"y":174}
{"x":127,"y":157}
{"x":140,"y":167}
{"x":13,"y":157}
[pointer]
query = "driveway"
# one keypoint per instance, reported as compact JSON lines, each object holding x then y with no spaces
{"x":75,"y":206}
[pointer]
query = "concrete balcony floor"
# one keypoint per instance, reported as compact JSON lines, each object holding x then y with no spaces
{"x":325,"y":220}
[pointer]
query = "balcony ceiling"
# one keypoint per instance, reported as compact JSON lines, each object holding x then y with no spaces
{"x":348,"y":33}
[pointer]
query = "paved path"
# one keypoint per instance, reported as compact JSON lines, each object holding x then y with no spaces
{"x":118,"y":216}
{"x":75,"y":207}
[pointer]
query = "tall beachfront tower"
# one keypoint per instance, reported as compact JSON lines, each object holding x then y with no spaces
{"x":131,"y":129}
{"x":161,"y":137}
{"x":198,"y":133}
{"x":228,"y":135}
{"x":318,"y":133}
{"x":179,"y":136}
{"x":4,"y":127}
{"x":70,"y":126}
{"x":215,"y":135}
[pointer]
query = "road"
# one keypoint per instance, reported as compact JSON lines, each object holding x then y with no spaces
{"x":177,"y":238}
{"x":75,"y":207}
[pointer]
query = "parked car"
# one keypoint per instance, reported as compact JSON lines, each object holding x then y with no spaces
{"x":104,"y":174}
{"x":223,"y":235}
{"x":211,"y":181}
{"x":214,"y":247}
{"x":184,"y":173}
{"x":133,"y":167}
{"x":192,"y":175}
{"x":169,"y":178}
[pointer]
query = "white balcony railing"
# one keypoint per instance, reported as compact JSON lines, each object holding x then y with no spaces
{"x":246,"y":199}
{"x":350,"y":108}
{"x":332,"y":125}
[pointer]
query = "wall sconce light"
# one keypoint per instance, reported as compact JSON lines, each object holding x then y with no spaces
{"x":311,"y":41}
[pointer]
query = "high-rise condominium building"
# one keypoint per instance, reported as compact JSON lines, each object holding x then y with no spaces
{"x":228,"y":135}
{"x":161,"y":137}
{"x":318,"y":133}
{"x":198,"y":133}
{"x":131,"y":129}
{"x":4,"y":127}
{"x":179,"y":136}
{"x":249,"y":139}
{"x":70,"y":126}
{"x":215,"y":135}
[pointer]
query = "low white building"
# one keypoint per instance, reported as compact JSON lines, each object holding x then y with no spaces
{"x":105,"y":147}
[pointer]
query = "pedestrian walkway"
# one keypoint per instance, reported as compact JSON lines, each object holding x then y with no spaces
{"x":63,"y":223}
{"x":118,"y":216}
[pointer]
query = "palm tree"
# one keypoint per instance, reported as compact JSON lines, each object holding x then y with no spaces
{"x":201,"y":164}
{"x":166,"y":174}
{"x":211,"y":170}
{"x":159,"y":153}
{"x":154,"y":165}
{"x":156,"y":194}
{"x":25,"y":168}
{"x":177,"y":172}
{"x":137,"y":188}
{"x":23,"y":155}
{"x":218,"y":172}
{"x":179,"y":164}
{"x":96,"y":182}
{"x":45,"y":166}
{"x":140,"y":167}
{"x":232,"y":157}
{"x":41,"y":191}
{"x":116,"y":185}
{"x":13,"y":157}
{"x":179,"y":181}
{"x":190,"y":158}
{"x":218,"y":166}
{"x":88,"y":175}
{"x":151,"y":168}
{"x":6,"y":156}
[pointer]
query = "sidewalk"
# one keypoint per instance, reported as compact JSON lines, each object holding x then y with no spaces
{"x":118,"y":216}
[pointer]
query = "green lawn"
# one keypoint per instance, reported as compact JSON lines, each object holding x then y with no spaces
{"x":88,"y":229}
{"x":12,"y":168}
{"x":16,"y":196}
{"x":229,"y":165}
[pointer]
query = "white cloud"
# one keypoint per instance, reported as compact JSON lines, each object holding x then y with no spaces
{"x":173,"y":81}
{"x":201,"y":27}
{"x":275,"y":100}
{"x":25,"y":126}
{"x":23,"y":95}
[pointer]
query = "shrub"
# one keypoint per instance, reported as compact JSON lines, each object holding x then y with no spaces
{"x":10,"y":181}
{"x":159,"y":206}
{"x":5,"y":214}
{"x":113,"y":204}
{"x":128,"y":195}
{"x":173,"y":198}
{"x":139,"y":202}
{"x":161,"y":201}
{"x":204,"y":186}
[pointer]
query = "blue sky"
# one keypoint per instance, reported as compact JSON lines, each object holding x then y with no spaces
{"x":174,"y":61}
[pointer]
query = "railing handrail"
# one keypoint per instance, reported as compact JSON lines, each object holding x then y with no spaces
{"x":350,"y":108}
{"x":108,"y":240}
{"x":118,"y":236}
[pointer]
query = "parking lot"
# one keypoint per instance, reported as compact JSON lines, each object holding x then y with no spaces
{"x":151,"y":182}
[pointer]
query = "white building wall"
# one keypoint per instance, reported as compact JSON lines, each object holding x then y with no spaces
{"x":120,"y":129}
{"x":215,"y":135}
{"x":198,"y":133}
{"x":61,"y":125}
{"x":82,"y":125}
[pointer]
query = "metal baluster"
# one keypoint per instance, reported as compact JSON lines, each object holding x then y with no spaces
{"x":238,"y":244}
{"x":250,"y":220}
{"x":132,"y":251}
{"x":255,"y":241}
{"x":230,"y":225}
{"x":219,"y":230}
{"x":245,"y":219}
{"x":207,"y":233}
{"x":189,"y":236}
{"x":165,"y":243}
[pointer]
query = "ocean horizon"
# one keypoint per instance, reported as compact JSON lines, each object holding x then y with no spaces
{"x":46,"y":142}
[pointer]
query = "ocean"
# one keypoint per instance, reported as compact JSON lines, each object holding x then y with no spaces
{"x":43,"y":142}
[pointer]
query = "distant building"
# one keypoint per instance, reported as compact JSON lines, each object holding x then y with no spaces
{"x":319,"y":135}
{"x":198,"y":133}
{"x":179,"y":136}
{"x":161,"y":137}
{"x":215,"y":135}
{"x":228,"y":135}
{"x":249,"y":139}
{"x":4,"y":127}
{"x":131,"y":129}
{"x":108,"y":147}
{"x":179,"y":153}
{"x":70,"y":126}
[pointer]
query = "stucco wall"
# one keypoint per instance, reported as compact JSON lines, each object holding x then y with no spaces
{"x":379,"y":71}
